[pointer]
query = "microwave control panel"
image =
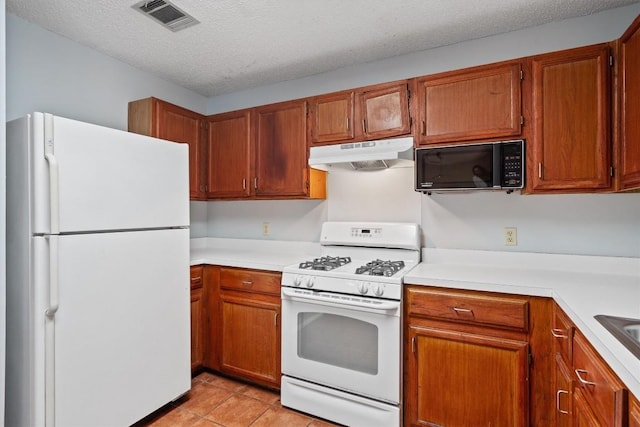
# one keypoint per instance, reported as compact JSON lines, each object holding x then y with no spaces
{"x":512,"y":164}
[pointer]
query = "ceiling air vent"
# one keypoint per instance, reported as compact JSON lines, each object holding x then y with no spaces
{"x":166,"y":13}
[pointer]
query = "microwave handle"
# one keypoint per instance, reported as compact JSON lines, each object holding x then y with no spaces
{"x":497,"y":165}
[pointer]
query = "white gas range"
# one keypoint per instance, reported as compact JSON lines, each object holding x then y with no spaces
{"x":341,"y":323}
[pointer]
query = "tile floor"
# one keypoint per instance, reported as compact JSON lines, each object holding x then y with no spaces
{"x":216,"y":401}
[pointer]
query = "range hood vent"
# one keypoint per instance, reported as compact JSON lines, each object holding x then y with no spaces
{"x":166,"y":13}
{"x":366,"y":155}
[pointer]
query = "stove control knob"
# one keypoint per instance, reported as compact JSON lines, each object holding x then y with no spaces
{"x":378,"y":290}
{"x":308,"y":282}
{"x":363,"y":288}
{"x":297,"y":281}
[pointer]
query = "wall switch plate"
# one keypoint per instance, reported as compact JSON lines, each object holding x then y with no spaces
{"x":265,"y":228}
{"x":510,"y":236}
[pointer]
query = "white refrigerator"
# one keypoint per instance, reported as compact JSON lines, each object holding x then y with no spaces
{"x":98,"y":323}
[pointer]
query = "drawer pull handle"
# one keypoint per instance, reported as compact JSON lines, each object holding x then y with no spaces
{"x":459,"y":310}
{"x":196,"y":279}
{"x":558,"y":333}
{"x":582,"y":380}
{"x":247,"y":283}
{"x":558,"y":393}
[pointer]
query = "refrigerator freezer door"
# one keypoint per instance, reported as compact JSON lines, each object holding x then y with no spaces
{"x":107,"y":179}
{"x":122,"y":330}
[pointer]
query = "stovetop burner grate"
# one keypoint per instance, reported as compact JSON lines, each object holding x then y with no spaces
{"x":325,"y":263}
{"x":379,"y":267}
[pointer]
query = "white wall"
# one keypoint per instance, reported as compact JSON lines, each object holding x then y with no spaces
{"x":3,"y":239}
{"x":47,"y":72}
{"x":578,"y":224}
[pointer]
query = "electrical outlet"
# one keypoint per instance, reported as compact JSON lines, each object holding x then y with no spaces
{"x":265,"y":228}
{"x":510,"y":236}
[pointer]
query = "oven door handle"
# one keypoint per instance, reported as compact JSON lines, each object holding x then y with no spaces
{"x":381,"y":306}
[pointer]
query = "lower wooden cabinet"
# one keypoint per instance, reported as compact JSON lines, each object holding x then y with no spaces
{"x":588,"y":393}
{"x":243,"y":323}
{"x":197,"y":319}
{"x":456,"y":379}
{"x":467,"y":360}
{"x":251,"y":339}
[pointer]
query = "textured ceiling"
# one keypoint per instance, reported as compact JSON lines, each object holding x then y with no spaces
{"x":241,"y":44}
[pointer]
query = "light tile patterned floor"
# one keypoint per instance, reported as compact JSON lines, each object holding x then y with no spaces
{"x":216,"y":401}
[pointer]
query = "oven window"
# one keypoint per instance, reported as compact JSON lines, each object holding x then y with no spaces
{"x":338,"y":341}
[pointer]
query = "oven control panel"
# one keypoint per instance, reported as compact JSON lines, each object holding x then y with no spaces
{"x":366,"y":288}
{"x":366,"y":232}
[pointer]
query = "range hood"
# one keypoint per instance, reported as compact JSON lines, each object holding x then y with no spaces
{"x":366,"y":155}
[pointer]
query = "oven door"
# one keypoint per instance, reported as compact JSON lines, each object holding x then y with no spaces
{"x":344,"y":342}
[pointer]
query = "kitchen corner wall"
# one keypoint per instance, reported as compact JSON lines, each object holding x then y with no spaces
{"x":594,"y":224}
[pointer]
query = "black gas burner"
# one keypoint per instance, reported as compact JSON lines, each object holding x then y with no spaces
{"x":379,"y":267}
{"x":325,"y":263}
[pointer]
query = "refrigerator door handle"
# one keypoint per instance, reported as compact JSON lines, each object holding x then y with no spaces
{"x":54,"y":190}
{"x":53,"y":276}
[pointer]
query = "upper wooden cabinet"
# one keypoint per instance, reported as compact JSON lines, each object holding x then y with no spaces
{"x":160,"y":119}
{"x":385,"y":111}
{"x":472,"y":104}
{"x":280,"y":150}
{"x":570,"y":145}
{"x":367,"y":113}
{"x":629,"y":95}
{"x":229,"y":162}
{"x":333,"y":117}
{"x":262,"y":153}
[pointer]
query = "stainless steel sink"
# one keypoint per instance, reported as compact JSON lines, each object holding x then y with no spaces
{"x":625,"y":329}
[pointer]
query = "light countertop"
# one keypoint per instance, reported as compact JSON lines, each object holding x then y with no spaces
{"x":583,"y":286}
{"x":272,"y":255}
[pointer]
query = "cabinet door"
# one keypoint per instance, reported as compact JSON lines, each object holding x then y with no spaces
{"x":457,"y":379}
{"x":634,"y":412}
{"x":251,"y":339}
{"x":281,"y":168}
{"x":197,"y":315}
{"x":180,"y":125}
{"x":333,"y":118}
{"x":629,"y":88}
{"x":229,"y":160}
{"x":583,"y":415}
{"x":564,"y":393}
{"x":570,"y":149}
{"x":385,"y":112}
{"x":479,"y":103}
{"x":197,"y":318}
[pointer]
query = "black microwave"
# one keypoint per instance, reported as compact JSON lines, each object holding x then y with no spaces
{"x":484,"y":166}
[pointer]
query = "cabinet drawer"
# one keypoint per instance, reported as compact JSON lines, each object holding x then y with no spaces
{"x":469,"y":308}
{"x":250,"y":280}
{"x":601,"y":388}
{"x":196,"y":276}
{"x":562,"y":331}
